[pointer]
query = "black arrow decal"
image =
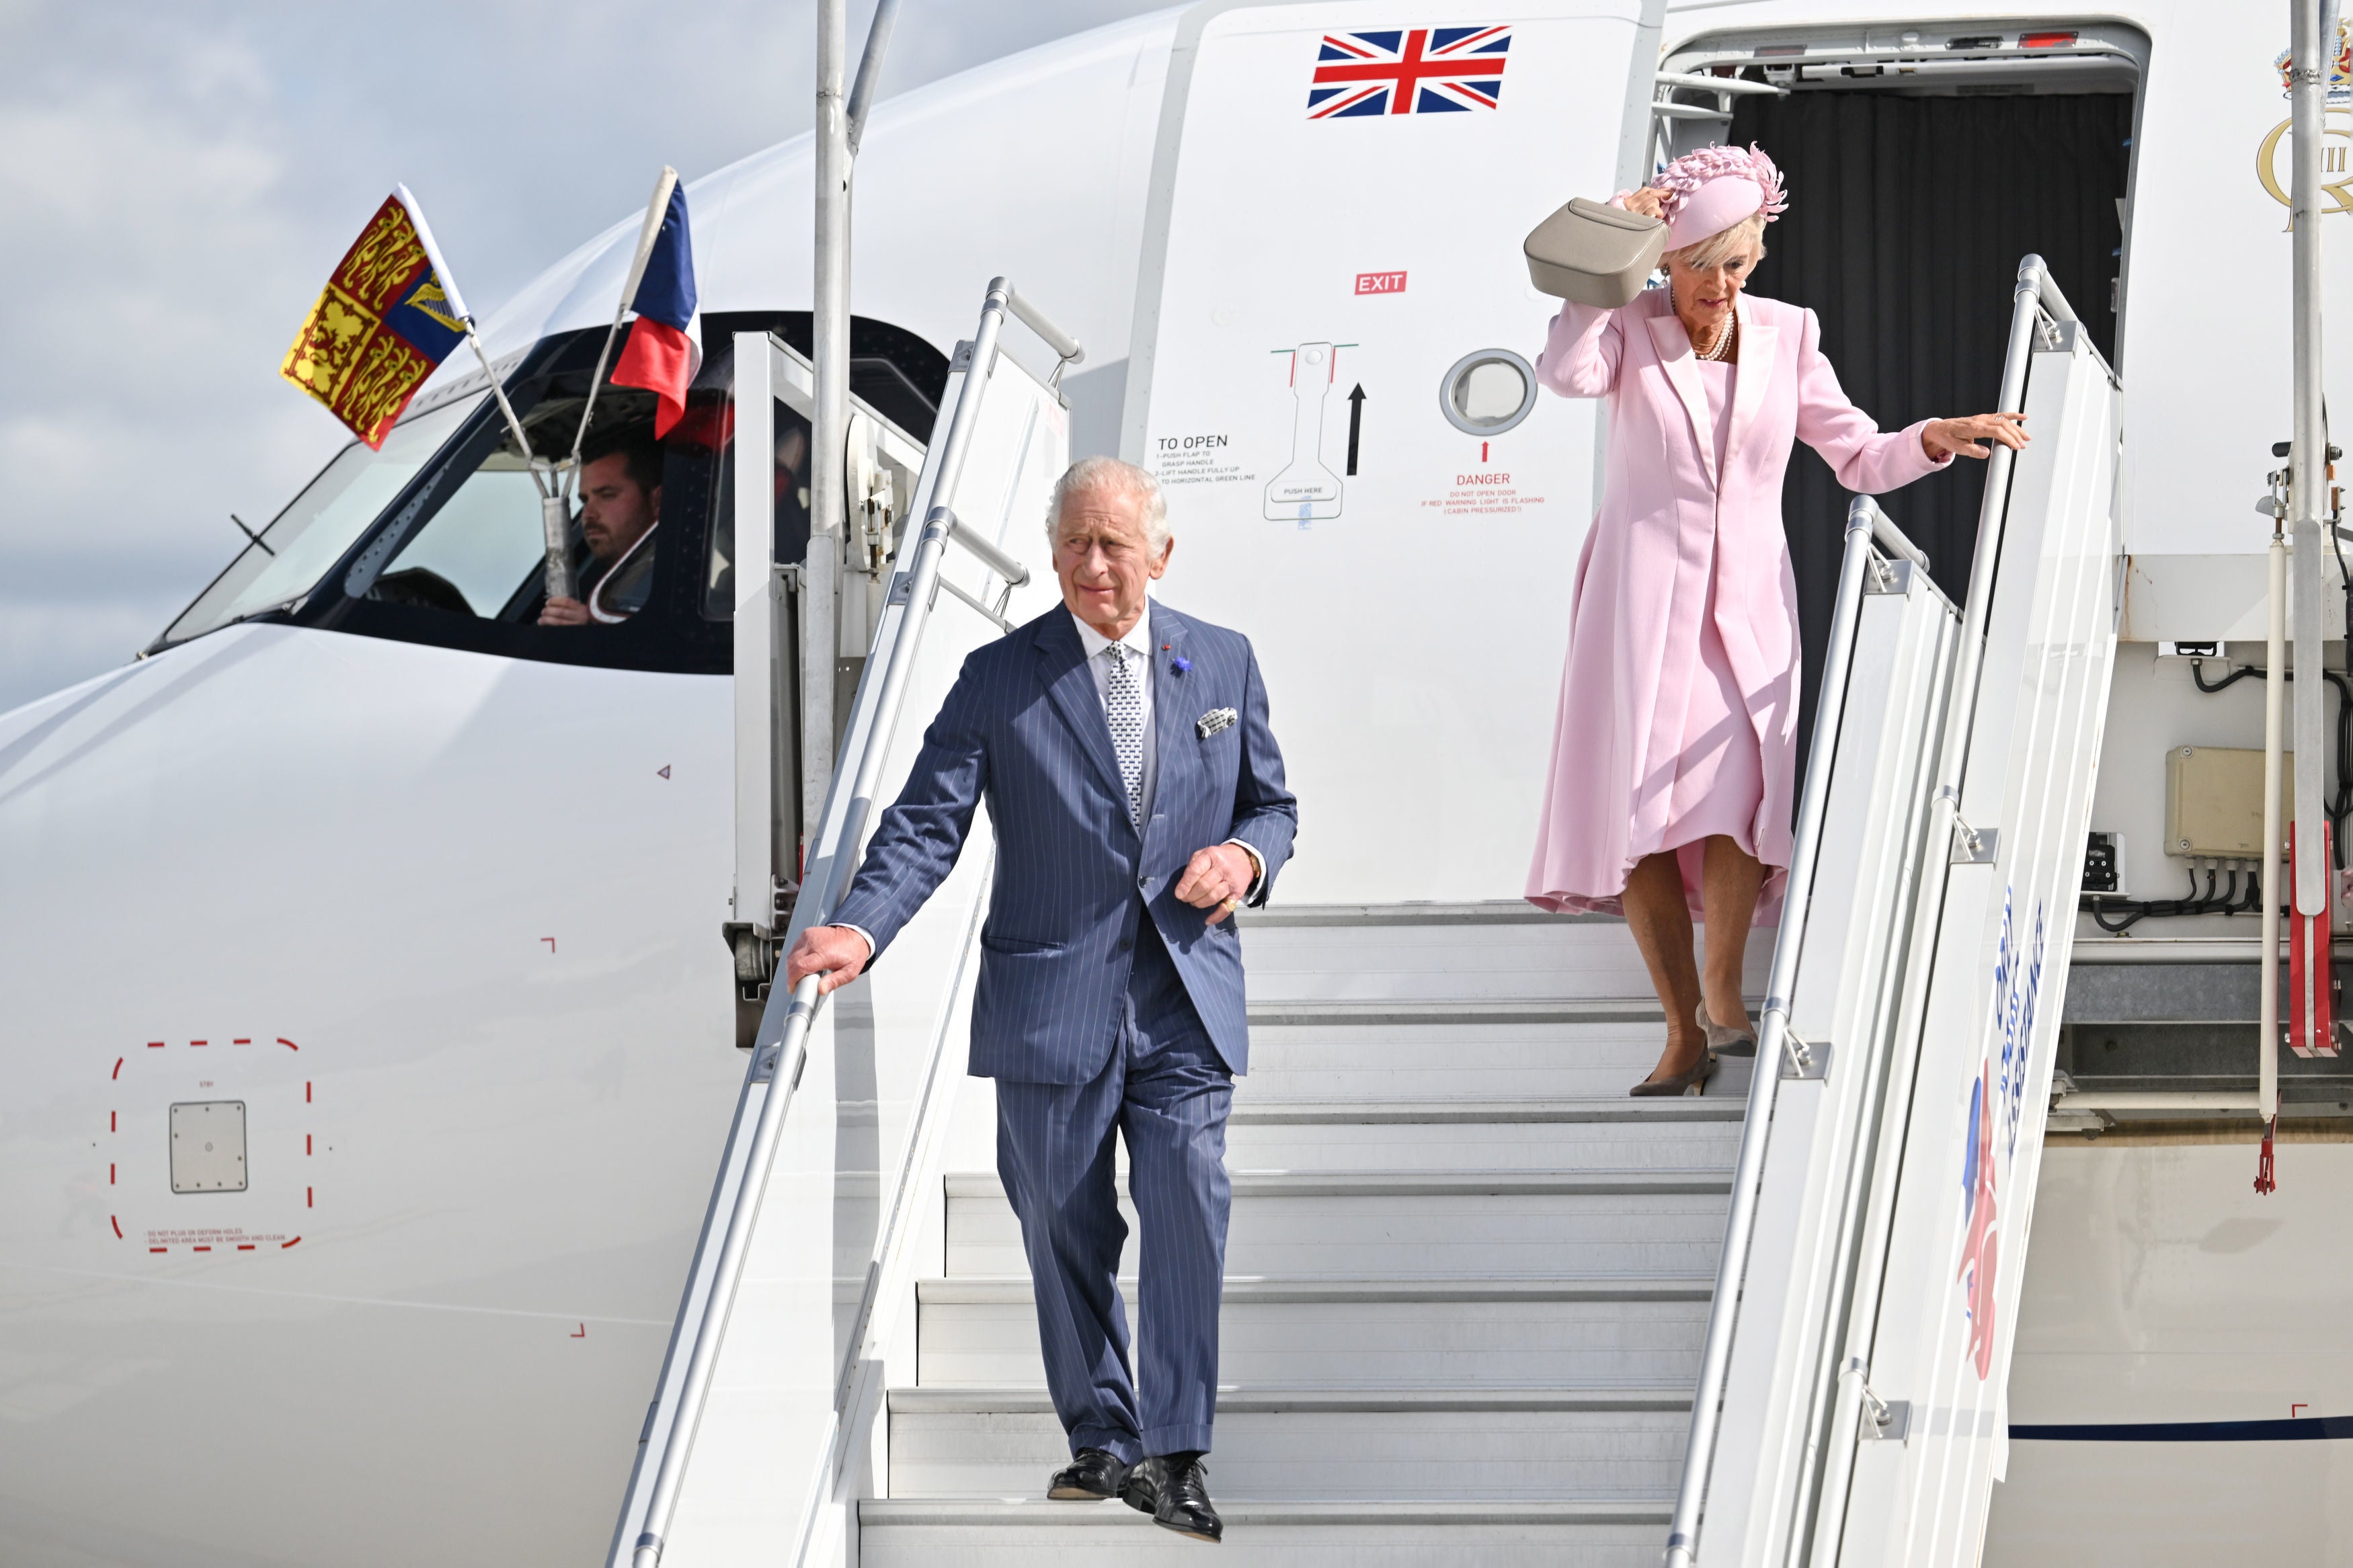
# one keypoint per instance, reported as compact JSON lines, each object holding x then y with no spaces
{"x":1356,"y":424}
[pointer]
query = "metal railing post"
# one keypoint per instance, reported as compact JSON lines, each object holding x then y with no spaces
{"x":1772,"y":1037}
{"x":2034,"y":291}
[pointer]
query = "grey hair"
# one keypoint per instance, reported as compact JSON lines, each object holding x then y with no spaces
{"x":1724,"y":245}
{"x":1111,"y":474}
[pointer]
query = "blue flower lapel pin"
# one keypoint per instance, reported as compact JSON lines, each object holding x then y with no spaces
{"x":1179,"y":664}
{"x":1215,"y":720}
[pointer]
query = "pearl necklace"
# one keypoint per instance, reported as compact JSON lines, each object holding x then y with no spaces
{"x":1723,"y":344}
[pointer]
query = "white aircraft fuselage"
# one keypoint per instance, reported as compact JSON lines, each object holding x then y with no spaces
{"x":443,"y":926}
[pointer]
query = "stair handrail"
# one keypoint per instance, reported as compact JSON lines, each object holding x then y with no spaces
{"x":780,"y":1049}
{"x":2037,"y":305}
{"x":1865,"y":524}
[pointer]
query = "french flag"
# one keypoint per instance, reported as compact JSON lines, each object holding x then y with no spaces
{"x":665,"y":346}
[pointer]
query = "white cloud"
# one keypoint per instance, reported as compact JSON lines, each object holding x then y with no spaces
{"x":179,"y":181}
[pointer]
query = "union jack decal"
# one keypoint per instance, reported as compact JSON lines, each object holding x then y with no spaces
{"x":1408,"y":71}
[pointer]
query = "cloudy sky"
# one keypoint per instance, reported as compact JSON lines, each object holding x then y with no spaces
{"x":179,"y":179}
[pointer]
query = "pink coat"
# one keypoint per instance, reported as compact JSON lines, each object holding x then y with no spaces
{"x":1668,"y":520}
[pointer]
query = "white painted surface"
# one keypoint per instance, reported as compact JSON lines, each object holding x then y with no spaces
{"x":1415,"y":702}
{"x":2163,"y":1289}
{"x":490,"y":1144}
{"x":1874,"y":858}
{"x":1948,"y":1304}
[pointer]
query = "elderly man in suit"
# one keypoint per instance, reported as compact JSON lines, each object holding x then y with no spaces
{"x":1138,"y":799}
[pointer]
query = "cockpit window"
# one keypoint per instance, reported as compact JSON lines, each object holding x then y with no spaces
{"x":479,"y":548}
{"x":321,"y":524}
{"x":440,"y":539}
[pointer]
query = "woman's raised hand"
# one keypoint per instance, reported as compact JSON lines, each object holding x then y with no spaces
{"x":1945,"y":437}
{"x":1646,"y":202}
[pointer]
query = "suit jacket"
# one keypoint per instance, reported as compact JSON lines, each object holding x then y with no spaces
{"x":1673,"y":533}
{"x":1024,"y":729}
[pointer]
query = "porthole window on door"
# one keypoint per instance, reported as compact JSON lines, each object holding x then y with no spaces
{"x":1488,"y":392}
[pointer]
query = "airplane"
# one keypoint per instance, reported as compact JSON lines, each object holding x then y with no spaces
{"x":348,"y":1216}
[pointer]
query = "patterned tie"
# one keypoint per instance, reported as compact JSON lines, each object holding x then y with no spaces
{"x":1127,"y":714}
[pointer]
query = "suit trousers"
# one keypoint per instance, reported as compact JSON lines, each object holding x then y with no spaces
{"x":1167,"y":1091}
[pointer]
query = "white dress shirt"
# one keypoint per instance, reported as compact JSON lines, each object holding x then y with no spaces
{"x":1138,"y":644}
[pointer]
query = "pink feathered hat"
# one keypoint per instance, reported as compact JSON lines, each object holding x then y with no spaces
{"x":1710,"y":190}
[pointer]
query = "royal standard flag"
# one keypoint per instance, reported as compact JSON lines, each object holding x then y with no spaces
{"x":383,"y":322}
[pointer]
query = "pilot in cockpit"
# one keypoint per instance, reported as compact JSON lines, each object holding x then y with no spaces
{"x":620,"y":506}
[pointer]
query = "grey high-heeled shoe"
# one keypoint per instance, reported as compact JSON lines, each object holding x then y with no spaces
{"x":1723,"y":1040}
{"x":1693,"y":1080}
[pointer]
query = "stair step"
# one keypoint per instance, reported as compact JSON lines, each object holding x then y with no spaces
{"x":1623,"y":1133}
{"x":1407,"y":1222}
{"x":1587,"y":1331}
{"x":1420,"y":1184}
{"x":1489,"y":951}
{"x":1350,"y":1012}
{"x":1448,"y":1058}
{"x":1304,"y":1112}
{"x":929,"y":1532}
{"x":1519,"y":1444}
{"x":1415,"y":1135}
{"x":1387,"y":1288}
{"x":1419,"y":913}
{"x":1235,"y":1399}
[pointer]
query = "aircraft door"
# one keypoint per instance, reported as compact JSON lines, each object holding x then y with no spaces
{"x":775,"y":804}
{"x":1333,"y":377}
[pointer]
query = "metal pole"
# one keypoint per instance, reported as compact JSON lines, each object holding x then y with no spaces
{"x":2308,"y":461}
{"x":869,"y":70}
{"x":829,"y":430}
{"x":2267,"y":1039}
{"x":1772,"y":1040}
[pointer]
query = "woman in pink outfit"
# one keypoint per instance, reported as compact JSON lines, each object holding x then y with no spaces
{"x":1674,"y":755}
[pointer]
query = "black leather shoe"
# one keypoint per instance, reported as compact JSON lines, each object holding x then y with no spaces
{"x":1174,"y":1488}
{"x":1093,"y":1475}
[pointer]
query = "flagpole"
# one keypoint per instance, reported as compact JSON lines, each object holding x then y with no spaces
{"x":656,"y":210}
{"x":555,"y":517}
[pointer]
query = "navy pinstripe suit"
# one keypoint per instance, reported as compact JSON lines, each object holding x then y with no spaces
{"x":1104,"y":1003}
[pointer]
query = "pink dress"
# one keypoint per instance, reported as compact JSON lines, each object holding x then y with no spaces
{"x":1678,"y":706}
{"x":1719,"y":765}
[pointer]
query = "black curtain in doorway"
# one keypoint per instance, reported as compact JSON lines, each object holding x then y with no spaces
{"x":1906,"y":220}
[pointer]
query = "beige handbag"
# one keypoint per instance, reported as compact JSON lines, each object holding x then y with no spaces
{"x":1594,"y":254}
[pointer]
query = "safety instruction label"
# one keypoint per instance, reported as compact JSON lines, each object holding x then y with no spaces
{"x":219,"y":1238}
{"x":1199,"y":459}
{"x":1488,"y":493}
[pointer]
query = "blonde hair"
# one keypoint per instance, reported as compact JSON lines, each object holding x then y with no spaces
{"x":1724,"y":245}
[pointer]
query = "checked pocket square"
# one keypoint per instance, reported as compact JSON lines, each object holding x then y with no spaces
{"x":1215,"y":720}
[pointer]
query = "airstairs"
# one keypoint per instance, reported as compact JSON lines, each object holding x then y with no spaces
{"x":1468,"y":1276}
{"x":1481,"y":1307}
